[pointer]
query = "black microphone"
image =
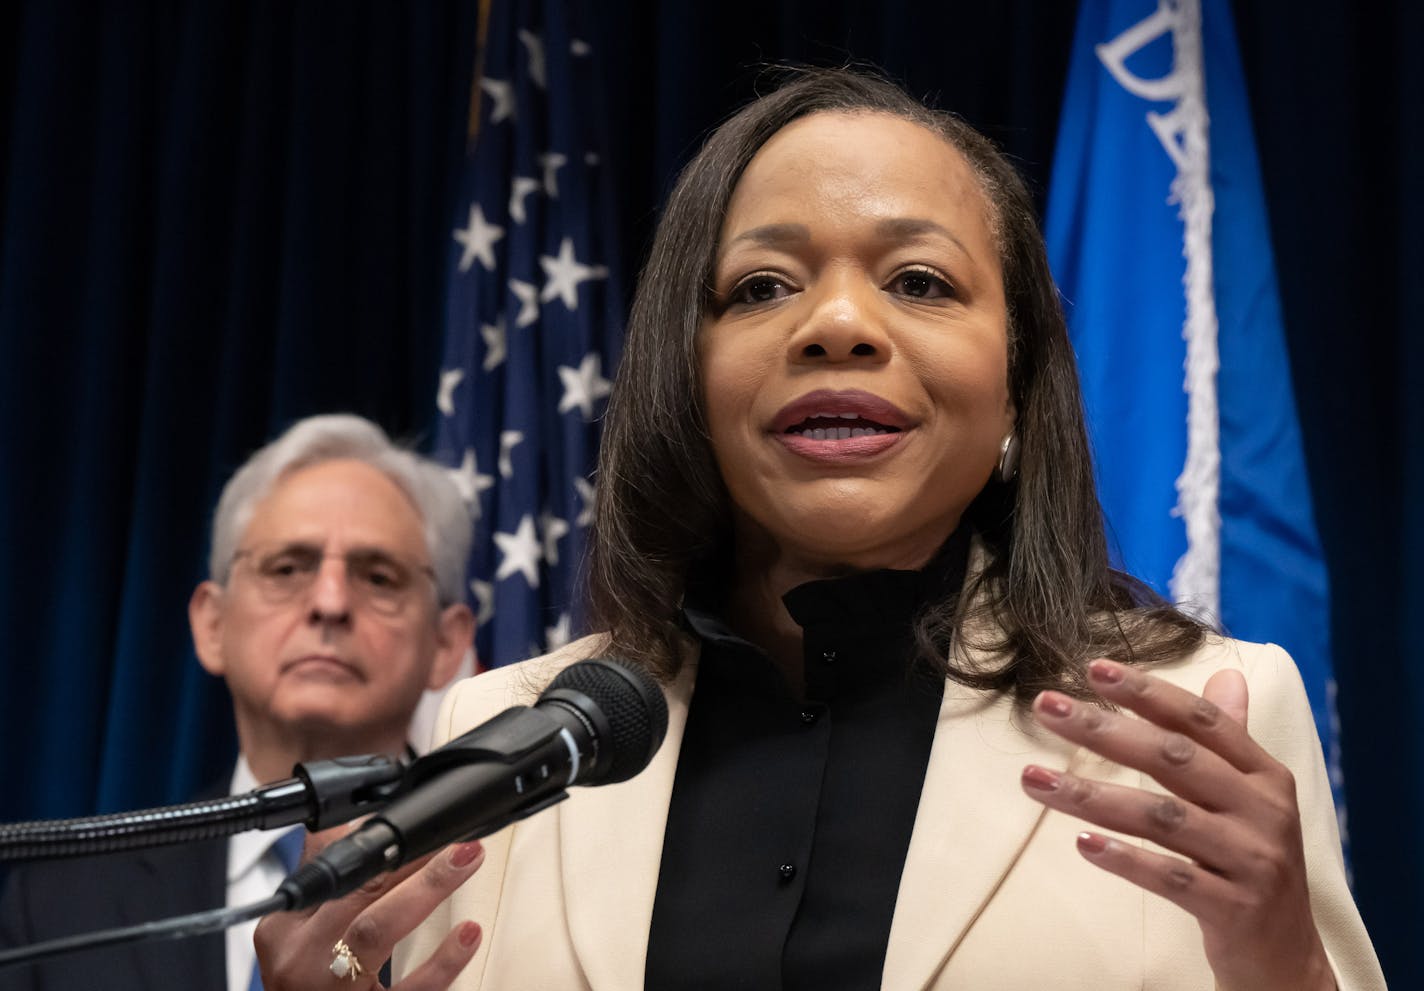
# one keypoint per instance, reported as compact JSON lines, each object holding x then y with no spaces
{"x":599,"y":722}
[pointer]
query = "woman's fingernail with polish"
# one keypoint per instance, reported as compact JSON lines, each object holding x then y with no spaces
{"x":465,"y":853}
{"x":1105,"y":671}
{"x":469,"y":933}
{"x":1092,"y":843}
{"x":1041,"y":778}
{"x":1054,"y":704}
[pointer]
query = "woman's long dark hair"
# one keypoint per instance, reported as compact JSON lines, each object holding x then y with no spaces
{"x":1046,"y":599}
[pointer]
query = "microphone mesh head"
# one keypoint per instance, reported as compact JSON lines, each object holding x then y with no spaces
{"x":633,"y":704}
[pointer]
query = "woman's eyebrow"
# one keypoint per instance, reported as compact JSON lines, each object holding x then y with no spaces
{"x":905,"y":228}
{"x":891,"y":228}
{"x":774,"y":235}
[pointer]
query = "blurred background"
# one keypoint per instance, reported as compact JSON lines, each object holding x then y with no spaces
{"x":217,"y":218}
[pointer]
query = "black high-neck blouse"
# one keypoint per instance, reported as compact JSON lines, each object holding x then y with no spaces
{"x":790,"y":818}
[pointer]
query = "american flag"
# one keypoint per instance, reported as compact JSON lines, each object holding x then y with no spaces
{"x":533,"y":325}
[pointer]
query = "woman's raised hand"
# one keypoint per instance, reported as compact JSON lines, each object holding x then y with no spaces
{"x":296,"y":950}
{"x":1231,"y":815}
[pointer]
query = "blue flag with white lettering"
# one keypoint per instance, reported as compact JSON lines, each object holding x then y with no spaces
{"x":533,"y":324}
{"x":1157,"y":233}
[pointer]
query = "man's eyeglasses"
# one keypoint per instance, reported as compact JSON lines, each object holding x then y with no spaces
{"x":283,"y":573}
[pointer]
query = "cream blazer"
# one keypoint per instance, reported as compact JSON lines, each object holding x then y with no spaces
{"x":994,"y":893}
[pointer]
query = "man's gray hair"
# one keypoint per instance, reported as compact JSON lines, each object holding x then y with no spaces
{"x":443,"y":514}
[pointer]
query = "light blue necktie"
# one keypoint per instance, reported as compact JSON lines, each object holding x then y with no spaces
{"x":288,"y":848}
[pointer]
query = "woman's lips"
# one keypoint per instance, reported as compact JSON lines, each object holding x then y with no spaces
{"x":841,"y":403}
{"x":840,"y":426}
{"x":838,"y":451}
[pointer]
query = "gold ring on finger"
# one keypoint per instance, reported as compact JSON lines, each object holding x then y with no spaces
{"x":344,"y":962}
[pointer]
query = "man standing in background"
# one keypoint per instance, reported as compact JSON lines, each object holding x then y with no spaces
{"x":334,"y":600}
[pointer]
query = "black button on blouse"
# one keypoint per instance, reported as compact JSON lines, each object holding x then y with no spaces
{"x":790,"y":818}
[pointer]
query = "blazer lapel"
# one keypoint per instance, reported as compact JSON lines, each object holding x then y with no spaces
{"x":178,"y":880}
{"x":611,"y":841}
{"x":972,"y":824}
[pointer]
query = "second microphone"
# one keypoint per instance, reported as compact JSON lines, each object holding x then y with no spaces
{"x":599,"y":722}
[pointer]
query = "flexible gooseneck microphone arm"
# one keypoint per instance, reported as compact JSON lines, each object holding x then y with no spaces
{"x":321,"y":794}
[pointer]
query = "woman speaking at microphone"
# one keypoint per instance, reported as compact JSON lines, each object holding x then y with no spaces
{"x":921,"y":734}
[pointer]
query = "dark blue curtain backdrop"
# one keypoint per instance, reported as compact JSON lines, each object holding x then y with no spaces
{"x":217,"y":218}
{"x":214,"y":218}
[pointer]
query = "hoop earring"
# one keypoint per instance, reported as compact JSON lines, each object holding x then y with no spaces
{"x":1008,"y":468}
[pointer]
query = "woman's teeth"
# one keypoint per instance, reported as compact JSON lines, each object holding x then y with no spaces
{"x":841,"y":433}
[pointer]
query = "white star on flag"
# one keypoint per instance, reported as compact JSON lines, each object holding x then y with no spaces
{"x":470,"y":482}
{"x":484,"y":600}
{"x":520,"y":188}
{"x":495,"y":336}
{"x":564,"y":273}
{"x":508,"y":440}
{"x":519,"y":551}
{"x":528,"y":297}
{"x":559,"y":634}
{"x":503,"y":96}
{"x":584,"y":488}
{"x":551,"y":163}
{"x":445,"y":399}
{"x":478,"y":239}
{"x":536,"y":56}
{"x":584,"y":385}
{"x":553,"y":528}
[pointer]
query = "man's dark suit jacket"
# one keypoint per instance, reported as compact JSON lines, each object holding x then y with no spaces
{"x":63,"y":897}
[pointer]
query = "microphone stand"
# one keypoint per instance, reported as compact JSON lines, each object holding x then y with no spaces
{"x":320,"y":794}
